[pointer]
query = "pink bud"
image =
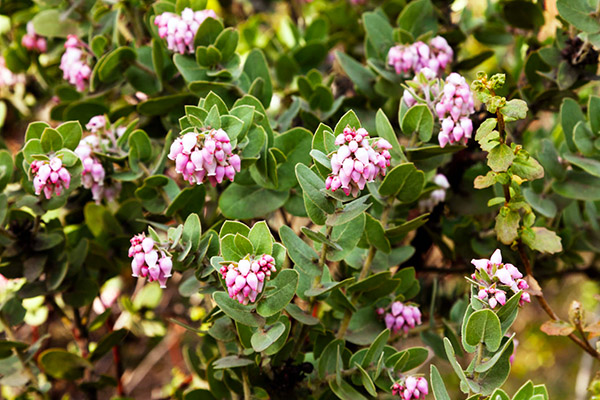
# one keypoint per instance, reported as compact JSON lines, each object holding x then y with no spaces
{"x":166,"y":265}
{"x":151,"y":258}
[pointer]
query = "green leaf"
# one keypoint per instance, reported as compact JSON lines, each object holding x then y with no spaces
{"x":347,"y":236}
{"x":344,"y":390}
{"x":112,"y":65}
{"x":527,"y":167}
{"x":192,"y":231}
{"x":417,"y":18}
{"x":420,"y":120}
{"x":543,"y":240}
{"x":415,"y":356}
{"x":589,"y":165}
{"x":404,"y":181}
{"x":262,"y":339}
{"x":483,"y":326}
{"x":256,"y":67}
{"x":579,"y":14}
{"x":51,"y":23}
{"x":379,"y":31}
{"x":361,"y":76}
{"x":51,"y":140}
{"x":35,"y":130}
{"x":349,"y":212}
{"x":514,"y":109}
{"x":327,"y":360}
{"x":376,"y":348}
{"x":276,"y":300}
{"x":489,"y":364}
{"x":486,"y":128}
{"x":303,"y":256}
{"x":261,"y":238}
{"x":437,"y":385}
{"x":376,"y":235}
{"x":456,"y":366}
{"x":140,"y":146}
{"x":61,"y":364}
{"x":311,"y":185}
{"x":243,"y":314}
{"x":578,"y":185}
{"x":258,"y":201}
{"x":208,"y":32}
{"x":385,"y":130}
{"x":106,"y":344}
{"x":243,"y":245}
{"x":570,"y":115}
{"x":500,"y":158}
{"x":232,"y":362}
{"x":6,"y":171}
{"x":584,"y":139}
{"x":300,"y":316}
{"x":507,"y":225}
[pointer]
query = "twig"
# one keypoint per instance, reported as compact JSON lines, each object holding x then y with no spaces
{"x":546,"y":307}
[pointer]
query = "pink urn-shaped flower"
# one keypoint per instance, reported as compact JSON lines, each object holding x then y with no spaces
{"x":180,"y":30}
{"x":495,"y":280}
{"x":245,"y":279}
{"x":357,"y":162}
{"x":205,"y":155}
{"x":410,"y":59}
{"x":453,"y":110}
{"x":32,"y":41}
{"x":74,"y":65}
{"x":50,"y":177}
{"x":411,"y":388}
{"x":402,"y":317}
{"x":149,"y":260}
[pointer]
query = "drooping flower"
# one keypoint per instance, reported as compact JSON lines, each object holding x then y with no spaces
{"x":96,"y":123}
{"x":453,"y":110}
{"x":149,"y":260}
{"x":205,"y":155}
{"x":93,"y":175}
{"x":437,"y":196}
{"x":495,"y":280}
{"x":357,"y":162}
{"x":410,"y":59}
{"x":50,"y":177}
{"x":411,"y":388}
{"x":245,"y":279}
{"x":401,"y":317}
{"x":32,"y":41}
{"x":425,"y":84}
{"x":180,"y":30}
{"x":74,"y":65}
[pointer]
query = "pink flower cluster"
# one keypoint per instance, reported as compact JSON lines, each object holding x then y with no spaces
{"x":146,"y":263}
{"x":96,"y":123}
{"x":32,"y":41}
{"x":245,"y":279}
{"x":74,"y":65}
{"x":494,"y":279}
{"x":401,"y":317}
{"x":437,"y":196}
{"x":413,"y":388}
{"x":50,"y":177}
{"x":355,"y":163}
{"x":453,"y":109}
{"x":205,"y":154}
{"x":410,"y":59}
{"x":93,"y":174}
{"x":7,"y":77}
{"x":180,"y":30}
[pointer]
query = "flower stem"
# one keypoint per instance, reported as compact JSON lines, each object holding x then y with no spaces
{"x":246,"y":382}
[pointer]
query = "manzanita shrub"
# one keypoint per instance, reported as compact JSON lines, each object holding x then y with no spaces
{"x":280,"y":195}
